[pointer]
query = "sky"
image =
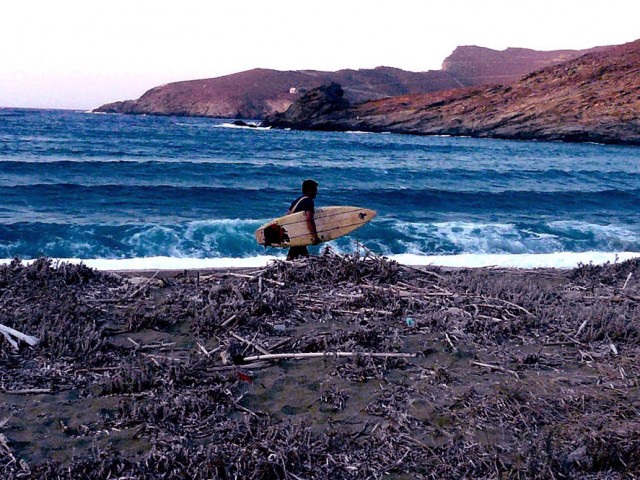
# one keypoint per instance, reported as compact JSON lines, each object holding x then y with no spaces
{"x":80,"y":54}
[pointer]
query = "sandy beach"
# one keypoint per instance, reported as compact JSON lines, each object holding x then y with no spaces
{"x":332,"y":367}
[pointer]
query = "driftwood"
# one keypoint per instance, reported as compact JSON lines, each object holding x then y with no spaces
{"x":287,"y":356}
{"x":251,"y":343}
{"x":150,"y":367}
{"x":9,"y":332}
{"x":28,"y":391}
{"x":496,"y":367}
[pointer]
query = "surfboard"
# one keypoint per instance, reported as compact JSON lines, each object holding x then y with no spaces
{"x":331,"y":223}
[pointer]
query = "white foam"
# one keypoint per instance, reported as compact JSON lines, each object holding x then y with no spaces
{"x":249,"y":126}
{"x":561,"y":260}
{"x":165,"y":263}
{"x":475,"y":238}
{"x":607,"y":233}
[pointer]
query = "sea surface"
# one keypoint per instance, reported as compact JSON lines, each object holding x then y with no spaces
{"x":166,"y":192}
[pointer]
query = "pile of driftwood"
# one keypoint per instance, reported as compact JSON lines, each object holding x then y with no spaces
{"x":329,"y":367}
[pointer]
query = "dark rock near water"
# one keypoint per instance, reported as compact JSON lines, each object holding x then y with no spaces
{"x":241,"y":123}
{"x":319,"y":103}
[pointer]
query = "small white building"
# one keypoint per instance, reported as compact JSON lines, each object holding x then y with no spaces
{"x":293,"y":90}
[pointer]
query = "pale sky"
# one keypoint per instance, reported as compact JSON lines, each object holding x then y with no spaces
{"x":82,"y":53}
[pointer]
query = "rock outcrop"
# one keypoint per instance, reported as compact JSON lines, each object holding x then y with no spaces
{"x":595,"y":97}
{"x":261,"y":92}
{"x":306,"y":113}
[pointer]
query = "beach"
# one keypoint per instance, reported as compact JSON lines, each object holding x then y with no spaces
{"x":338,"y":366}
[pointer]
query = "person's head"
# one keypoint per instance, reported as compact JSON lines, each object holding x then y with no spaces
{"x":310,"y":188}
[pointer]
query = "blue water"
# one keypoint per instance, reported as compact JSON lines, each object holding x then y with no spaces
{"x":80,"y":185}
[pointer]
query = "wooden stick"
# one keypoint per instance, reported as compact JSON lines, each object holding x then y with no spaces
{"x":282,"y":356}
{"x":31,"y":340}
{"x":229,"y":320}
{"x":6,"y":420}
{"x":11,"y":341}
{"x":104,"y":369}
{"x":152,"y":346}
{"x":581,"y":327}
{"x":204,"y":350}
{"x":134,"y":294}
{"x":251,"y":343}
{"x":513,"y":305}
{"x":153,"y":357}
{"x":496,"y":367}
{"x":627,"y":281}
{"x":453,"y":347}
{"x":5,"y":444}
{"x":27,"y":391}
{"x":253,"y":277}
{"x":362,"y":310}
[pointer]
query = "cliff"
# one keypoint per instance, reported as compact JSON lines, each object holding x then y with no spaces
{"x":261,"y":92}
{"x":595,"y":97}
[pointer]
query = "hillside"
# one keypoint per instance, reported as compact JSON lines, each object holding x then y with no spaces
{"x":474,"y":66}
{"x":261,"y":92}
{"x":595,"y":97}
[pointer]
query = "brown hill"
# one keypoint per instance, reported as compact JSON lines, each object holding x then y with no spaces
{"x":261,"y":92}
{"x":474,"y":66}
{"x":595,"y":97}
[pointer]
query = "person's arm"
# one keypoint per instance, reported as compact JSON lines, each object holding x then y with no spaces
{"x":311,"y":223}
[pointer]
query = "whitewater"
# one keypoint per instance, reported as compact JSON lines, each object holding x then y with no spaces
{"x":137,"y":192}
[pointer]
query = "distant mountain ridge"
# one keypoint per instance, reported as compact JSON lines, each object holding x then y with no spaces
{"x":474,"y":66}
{"x":595,"y":97}
{"x":261,"y":92}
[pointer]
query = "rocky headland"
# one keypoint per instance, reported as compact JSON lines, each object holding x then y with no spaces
{"x":595,"y":97}
{"x":260,"y":92}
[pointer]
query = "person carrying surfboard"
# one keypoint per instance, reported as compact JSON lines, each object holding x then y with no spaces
{"x":305,"y":203}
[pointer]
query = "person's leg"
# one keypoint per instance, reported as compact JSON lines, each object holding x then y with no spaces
{"x":297,"y":252}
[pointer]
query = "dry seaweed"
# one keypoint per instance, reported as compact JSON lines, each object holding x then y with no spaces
{"x":510,"y":374}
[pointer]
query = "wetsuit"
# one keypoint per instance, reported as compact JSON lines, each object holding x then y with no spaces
{"x":300,"y":204}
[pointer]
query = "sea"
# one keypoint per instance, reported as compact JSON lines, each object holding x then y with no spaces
{"x":150,"y":192}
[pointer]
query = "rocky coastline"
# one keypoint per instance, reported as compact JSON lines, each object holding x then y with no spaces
{"x":593,"y":98}
{"x":256,"y":93}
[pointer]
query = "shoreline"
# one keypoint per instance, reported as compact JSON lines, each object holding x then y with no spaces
{"x":558,"y":260}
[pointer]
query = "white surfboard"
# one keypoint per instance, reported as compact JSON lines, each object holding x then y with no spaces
{"x":331,"y":223}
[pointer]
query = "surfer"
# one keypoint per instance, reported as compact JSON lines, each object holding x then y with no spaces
{"x":304,"y":203}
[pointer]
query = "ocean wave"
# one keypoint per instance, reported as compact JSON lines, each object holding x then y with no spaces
{"x":510,"y":238}
{"x":432,"y":181}
{"x":234,"y":237}
{"x":198,"y":239}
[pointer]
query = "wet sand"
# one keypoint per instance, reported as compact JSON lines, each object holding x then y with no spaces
{"x":479,"y":373}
